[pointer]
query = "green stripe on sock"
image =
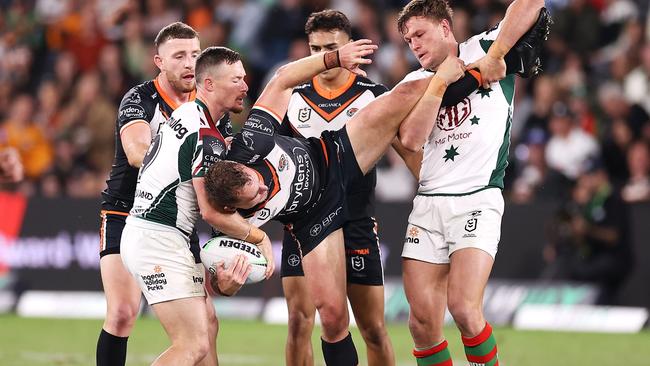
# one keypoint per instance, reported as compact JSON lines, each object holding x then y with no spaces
{"x":435,"y":358}
{"x":493,"y":361}
{"x":483,"y":348}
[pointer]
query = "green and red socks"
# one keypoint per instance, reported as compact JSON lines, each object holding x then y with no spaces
{"x":482,"y":349}
{"x":435,"y":356}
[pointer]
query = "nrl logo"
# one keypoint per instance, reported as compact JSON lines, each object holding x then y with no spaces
{"x":472,"y":222}
{"x":304,"y":114}
{"x":449,"y":118}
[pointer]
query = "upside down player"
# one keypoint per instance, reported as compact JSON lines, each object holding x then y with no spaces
{"x":302,"y":182}
{"x":327,"y":102}
{"x":141,"y":112}
{"x":456,"y":216}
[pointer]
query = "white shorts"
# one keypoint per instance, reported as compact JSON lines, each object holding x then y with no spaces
{"x":160,"y":260}
{"x":441,"y":225}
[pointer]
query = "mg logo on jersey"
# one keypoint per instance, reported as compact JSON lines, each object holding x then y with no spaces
{"x":449,"y":118}
{"x":304,"y":114}
{"x":358,"y":263}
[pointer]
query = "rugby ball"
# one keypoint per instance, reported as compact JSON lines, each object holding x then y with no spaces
{"x":225,"y":248}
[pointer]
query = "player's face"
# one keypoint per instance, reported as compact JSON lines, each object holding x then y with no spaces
{"x":176,"y":59}
{"x":324,"y":41}
{"x":231,"y":86}
{"x":428,"y":40}
{"x":253,"y":192}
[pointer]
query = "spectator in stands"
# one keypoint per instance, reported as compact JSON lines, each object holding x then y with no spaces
{"x":591,"y":242}
{"x":569,"y":146}
{"x":11,"y":169}
{"x":637,"y":188}
{"x":20,"y":132}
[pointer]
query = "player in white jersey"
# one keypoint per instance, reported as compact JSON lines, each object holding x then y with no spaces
{"x":454,"y":227}
{"x":303,"y":182}
{"x":327,"y":103}
{"x":169,"y":191}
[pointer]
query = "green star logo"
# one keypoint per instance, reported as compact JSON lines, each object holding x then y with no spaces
{"x":451,"y":153}
{"x":484,"y":92}
{"x":475,"y":120}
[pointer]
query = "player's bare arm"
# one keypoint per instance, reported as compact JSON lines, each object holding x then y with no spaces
{"x":520,"y":16}
{"x":231,"y":223}
{"x":412,"y":159}
{"x":417,"y":126}
{"x":277,"y":93}
{"x":136,"y":138}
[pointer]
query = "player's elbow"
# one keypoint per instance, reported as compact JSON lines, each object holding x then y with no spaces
{"x":279,"y":78}
{"x":532,"y":5}
{"x":134,"y":161}
{"x":411,"y":143}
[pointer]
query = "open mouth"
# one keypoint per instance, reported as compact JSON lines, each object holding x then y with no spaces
{"x":188,"y":77}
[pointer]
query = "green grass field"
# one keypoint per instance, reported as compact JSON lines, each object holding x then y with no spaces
{"x":27,"y":342}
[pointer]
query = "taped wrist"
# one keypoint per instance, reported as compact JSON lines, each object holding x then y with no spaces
{"x":331,"y":59}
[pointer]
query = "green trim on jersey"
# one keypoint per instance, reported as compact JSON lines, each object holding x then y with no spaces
{"x":508,"y":87}
{"x":186,"y":155}
{"x":496,"y":179}
{"x":458,"y":194}
{"x":163,"y":209}
{"x":485,"y":44}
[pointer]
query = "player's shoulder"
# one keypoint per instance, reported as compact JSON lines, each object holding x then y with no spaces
{"x":138,"y":104}
{"x":189,"y":115}
{"x":364,"y":83}
{"x":141,"y":93}
{"x":481,"y":41}
{"x":416,"y":75}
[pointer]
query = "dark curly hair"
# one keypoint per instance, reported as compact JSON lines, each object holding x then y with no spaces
{"x":328,"y":20}
{"x":222,"y":182}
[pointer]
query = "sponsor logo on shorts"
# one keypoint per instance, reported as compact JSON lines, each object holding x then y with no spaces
{"x":304,"y":114}
{"x":358,"y":263}
{"x":364,"y":251}
{"x":302,"y":182}
{"x":197,"y":279}
{"x":293,"y":260}
{"x":155,"y":281}
{"x":327,"y":221}
{"x":472,"y":222}
{"x":225,"y":243}
{"x":412,"y":236}
{"x":351,"y":112}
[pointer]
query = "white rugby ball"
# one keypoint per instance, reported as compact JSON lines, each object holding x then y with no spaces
{"x":225,"y":248}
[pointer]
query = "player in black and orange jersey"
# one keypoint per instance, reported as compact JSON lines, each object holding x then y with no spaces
{"x":327,"y":103}
{"x":142,"y":110}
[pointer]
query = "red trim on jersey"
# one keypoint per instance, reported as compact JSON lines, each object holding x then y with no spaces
{"x":333,"y":94}
{"x":330,"y":116}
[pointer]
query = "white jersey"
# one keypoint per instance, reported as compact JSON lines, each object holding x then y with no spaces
{"x":467,"y":150}
{"x":185,"y":147}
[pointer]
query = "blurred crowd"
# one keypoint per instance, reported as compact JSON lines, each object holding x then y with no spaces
{"x":65,"y":64}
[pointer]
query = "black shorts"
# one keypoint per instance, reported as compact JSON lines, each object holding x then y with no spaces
{"x":110,"y":233}
{"x":339,"y":167}
{"x":362,"y":254}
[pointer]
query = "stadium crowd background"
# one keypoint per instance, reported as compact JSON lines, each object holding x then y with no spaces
{"x":64,"y":65}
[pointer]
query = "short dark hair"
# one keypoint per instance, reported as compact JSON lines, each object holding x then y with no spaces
{"x":213,"y":56}
{"x":177,"y":30}
{"x":223,"y":181}
{"x":433,"y":9}
{"x":328,"y":20}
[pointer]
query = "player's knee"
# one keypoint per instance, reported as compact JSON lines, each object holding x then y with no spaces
{"x":463,"y":311}
{"x":333,"y":319}
{"x":121,"y":317}
{"x":419,"y":321}
{"x":300,"y":322}
{"x":375,"y":334}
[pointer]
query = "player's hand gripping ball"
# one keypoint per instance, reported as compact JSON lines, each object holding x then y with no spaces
{"x":225,"y":248}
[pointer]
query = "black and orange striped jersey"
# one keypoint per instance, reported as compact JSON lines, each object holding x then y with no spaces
{"x":145,"y":102}
{"x":290,"y":167}
{"x":314,"y":109}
